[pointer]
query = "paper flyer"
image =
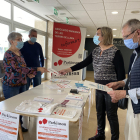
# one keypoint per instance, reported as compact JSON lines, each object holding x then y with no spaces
{"x":53,"y":71}
{"x":60,"y":81}
{"x":97,"y":86}
{"x":58,"y":86}
{"x":52,"y":129}
{"x":9,"y":123}
{"x":65,"y":112}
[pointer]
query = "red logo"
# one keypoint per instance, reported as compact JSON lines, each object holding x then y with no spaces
{"x":44,"y":121}
{"x":55,"y":63}
{"x":58,"y":63}
{"x":40,"y":109}
{"x":0,"y":113}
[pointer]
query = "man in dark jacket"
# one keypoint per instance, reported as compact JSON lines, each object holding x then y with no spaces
{"x":33,"y":55}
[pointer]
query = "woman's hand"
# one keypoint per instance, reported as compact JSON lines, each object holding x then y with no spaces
{"x":116,"y":85}
{"x":31,"y":76}
{"x":64,"y":71}
{"x":42,"y":70}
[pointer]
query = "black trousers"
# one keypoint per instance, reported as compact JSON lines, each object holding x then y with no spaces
{"x":105,"y":106}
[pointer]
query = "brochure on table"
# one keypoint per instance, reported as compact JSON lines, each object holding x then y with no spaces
{"x":35,"y":107}
{"x":52,"y":129}
{"x":65,"y":112}
{"x":9,"y":123}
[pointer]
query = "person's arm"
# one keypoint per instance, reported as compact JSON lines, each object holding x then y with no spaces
{"x":83,"y":63}
{"x":41,"y":57}
{"x":12,"y":65}
{"x":119,"y":66}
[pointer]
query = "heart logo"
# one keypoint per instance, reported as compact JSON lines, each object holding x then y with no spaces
{"x":55,"y":63}
{"x":60,"y":62}
{"x":40,"y":122}
{"x":44,"y":121}
{"x":40,"y":109}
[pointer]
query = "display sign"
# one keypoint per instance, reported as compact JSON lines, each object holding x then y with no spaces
{"x":52,"y":129}
{"x":68,"y":49}
{"x":9,"y":123}
{"x":55,"y":12}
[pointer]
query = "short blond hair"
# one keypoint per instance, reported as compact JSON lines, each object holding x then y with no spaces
{"x":107,"y":34}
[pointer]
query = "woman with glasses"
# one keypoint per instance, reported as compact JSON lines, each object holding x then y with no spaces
{"x":16,"y":72}
{"x":108,"y":66}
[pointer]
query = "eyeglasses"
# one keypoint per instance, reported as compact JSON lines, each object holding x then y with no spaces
{"x":125,"y":37}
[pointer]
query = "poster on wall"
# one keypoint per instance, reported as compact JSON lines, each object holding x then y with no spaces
{"x":52,"y":129}
{"x":68,"y":49}
{"x":9,"y":123}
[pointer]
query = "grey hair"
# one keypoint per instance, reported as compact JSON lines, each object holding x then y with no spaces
{"x":133,"y":24}
{"x":13,"y":36}
{"x":32,"y":30}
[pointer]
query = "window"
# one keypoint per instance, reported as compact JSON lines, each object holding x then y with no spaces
{"x":4,"y":44}
{"x":29,"y":19}
{"x":24,"y":34}
{"x":5,"y":9}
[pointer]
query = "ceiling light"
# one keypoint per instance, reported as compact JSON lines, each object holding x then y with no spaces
{"x":135,"y":12}
{"x":88,"y":35}
{"x":114,"y":29}
{"x":114,"y":12}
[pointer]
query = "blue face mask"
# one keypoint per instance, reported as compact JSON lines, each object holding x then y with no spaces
{"x":130,"y":44}
{"x":33,"y":39}
{"x":20,"y":45}
{"x":96,"y":40}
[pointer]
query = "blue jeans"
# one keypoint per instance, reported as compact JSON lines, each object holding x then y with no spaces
{"x":36,"y":80}
{"x":12,"y":91}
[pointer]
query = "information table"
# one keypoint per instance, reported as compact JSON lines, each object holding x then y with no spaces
{"x":42,"y":90}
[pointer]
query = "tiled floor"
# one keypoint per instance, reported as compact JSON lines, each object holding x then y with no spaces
{"x":89,"y":128}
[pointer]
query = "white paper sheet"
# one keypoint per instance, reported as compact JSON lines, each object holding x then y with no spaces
{"x":9,"y":123}
{"x":64,"y":112}
{"x":29,"y":106}
{"x":52,"y":129}
{"x":53,"y":71}
{"x":97,"y":86}
{"x":58,"y":86}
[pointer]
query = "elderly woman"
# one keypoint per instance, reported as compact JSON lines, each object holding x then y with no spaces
{"x":14,"y":80}
{"x":108,"y":66}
